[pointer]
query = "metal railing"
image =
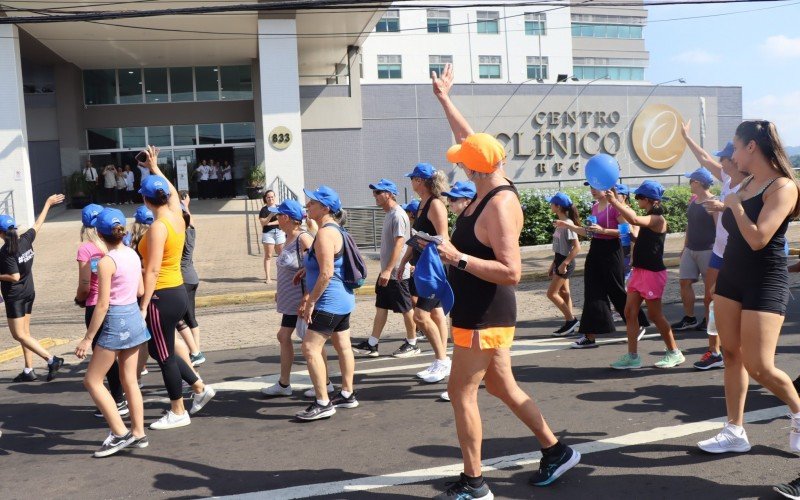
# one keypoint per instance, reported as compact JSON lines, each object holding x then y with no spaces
{"x":7,"y":203}
{"x":365,"y":225}
{"x":282,"y":190}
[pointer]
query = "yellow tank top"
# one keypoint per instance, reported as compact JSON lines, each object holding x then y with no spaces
{"x":170,"y":274}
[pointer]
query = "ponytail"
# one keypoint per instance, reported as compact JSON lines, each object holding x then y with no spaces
{"x":572,"y":213}
{"x":116,"y":236}
{"x":161,"y":198}
{"x":340,"y":217}
{"x":12,"y":241}
{"x":437,"y":184}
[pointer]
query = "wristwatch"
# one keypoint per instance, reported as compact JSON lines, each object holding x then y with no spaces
{"x":462,"y":262}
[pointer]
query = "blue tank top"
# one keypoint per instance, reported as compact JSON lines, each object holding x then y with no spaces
{"x":337,"y":298}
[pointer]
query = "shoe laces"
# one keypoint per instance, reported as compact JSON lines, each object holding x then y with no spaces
{"x":455,"y":487}
{"x":706,"y":356}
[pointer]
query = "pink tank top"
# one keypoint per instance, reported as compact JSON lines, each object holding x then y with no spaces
{"x":125,"y":281}
{"x":606,"y":219}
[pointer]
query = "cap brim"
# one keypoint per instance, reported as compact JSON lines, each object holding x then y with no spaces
{"x":274,"y":210}
{"x":374,"y":186}
{"x":446,"y":296}
{"x":454,"y":154}
{"x":310,"y":195}
{"x":586,"y":183}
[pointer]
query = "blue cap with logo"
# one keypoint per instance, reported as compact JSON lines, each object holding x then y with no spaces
{"x":727,"y":151}
{"x":423,"y":171}
{"x":651,"y":190}
{"x":560,"y":200}
{"x":461,"y":189}
{"x":701,"y":175}
{"x":430,"y":278}
{"x":411,"y":206}
{"x":289,"y":207}
{"x":385,"y":185}
{"x":144,"y":215}
{"x":623,"y":189}
{"x":108,"y":219}
{"x":7,"y":222}
{"x":89,"y":214}
{"x":326,"y":196}
{"x":151,"y":184}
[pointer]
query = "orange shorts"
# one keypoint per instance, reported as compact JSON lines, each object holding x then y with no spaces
{"x":497,"y":337}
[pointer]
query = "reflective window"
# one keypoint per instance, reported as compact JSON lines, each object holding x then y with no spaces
{"x":389,"y":22}
{"x":207,"y":83}
{"x":390,"y":67}
{"x":237,"y":82}
{"x":611,"y":72}
{"x":437,"y":64}
{"x":537,"y":67}
{"x":489,"y":67}
{"x":535,"y":23}
{"x":488,"y":22}
{"x":184,"y":135}
{"x":627,"y":32}
{"x":181,"y":87}
{"x":159,"y":136}
{"x":438,"y":21}
{"x":239,"y":132}
{"x":103,"y":138}
{"x":100,"y":86}
{"x":133,"y":137}
{"x":155,"y":85}
{"x":210,"y":133}
{"x":130,"y":86}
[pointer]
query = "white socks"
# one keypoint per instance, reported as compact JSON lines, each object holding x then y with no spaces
{"x":346,"y":394}
{"x":27,"y":370}
{"x":372,"y":341}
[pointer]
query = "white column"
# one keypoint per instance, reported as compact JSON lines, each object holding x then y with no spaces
{"x":280,"y":103}
{"x":15,"y":167}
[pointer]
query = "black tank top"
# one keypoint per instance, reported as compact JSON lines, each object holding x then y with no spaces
{"x":478,"y":303}
{"x":424,"y":224}
{"x":648,"y":252}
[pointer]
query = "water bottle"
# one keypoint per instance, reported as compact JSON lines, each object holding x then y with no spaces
{"x":590,"y":221}
{"x":711,"y":327}
{"x":93,"y":264}
{"x":625,"y":234}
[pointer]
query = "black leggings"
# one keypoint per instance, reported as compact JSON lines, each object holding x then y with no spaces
{"x":166,"y":308}
{"x":112,"y":377}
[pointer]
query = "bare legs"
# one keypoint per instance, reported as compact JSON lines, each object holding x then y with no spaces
{"x":558,"y":293}
{"x":101,"y":362}
{"x":21,"y":331}
{"x":431,"y":325}
{"x":313,"y":351}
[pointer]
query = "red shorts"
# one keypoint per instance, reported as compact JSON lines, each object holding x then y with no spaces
{"x":649,"y":284}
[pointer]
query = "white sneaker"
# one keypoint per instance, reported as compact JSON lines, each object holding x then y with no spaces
{"x":445,"y":396}
{"x":726,"y":441}
{"x":439,"y":372}
{"x":171,"y":421}
{"x":201,"y":399}
{"x":424,"y":373}
{"x":277,"y":390}
{"x":144,"y":371}
{"x":311,"y":394}
{"x":794,"y":434}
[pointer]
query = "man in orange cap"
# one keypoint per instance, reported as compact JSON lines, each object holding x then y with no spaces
{"x":485,"y":266}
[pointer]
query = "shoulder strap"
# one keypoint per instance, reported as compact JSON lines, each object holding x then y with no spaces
{"x":424,"y":209}
{"x":489,"y":196}
{"x":766,"y":186}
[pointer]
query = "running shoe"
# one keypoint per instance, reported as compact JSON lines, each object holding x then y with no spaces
{"x":25,"y":377}
{"x":277,"y":389}
{"x":616,"y":317}
{"x":197,"y":359}
{"x":461,"y":490}
{"x":141,"y":442}
{"x":726,"y":441}
{"x":710,"y":360}
{"x":421,"y":335}
{"x":311,"y":394}
{"x":366,"y":350}
{"x":687,"y":323}
{"x":201,"y":399}
{"x":339,"y":401}
{"x":144,"y":371}
{"x":439,"y":372}
{"x":642,"y":331}
{"x":52,"y":368}
{"x":702,"y":326}
{"x":794,"y":434}
{"x":671,"y":359}
{"x":113,"y":444}
{"x":406,"y":350}
{"x":567,"y":328}
{"x":445,"y":396}
{"x":553,"y":467}
{"x":583,"y":343}
{"x":316,"y":411}
{"x":427,"y":370}
{"x":789,"y":490}
{"x":627,"y":362}
{"x":122,"y":408}
{"x":171,"y":421}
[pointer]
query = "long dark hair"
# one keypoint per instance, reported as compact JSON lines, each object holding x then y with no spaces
{"x":116,"y":236}
{"x":765,"y":135}
{"x":12,"y":241}
{"x":572,"y":213}
{"x":161,"y":198}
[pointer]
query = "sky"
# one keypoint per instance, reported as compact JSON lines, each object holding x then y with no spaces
{"x":758,"y":50}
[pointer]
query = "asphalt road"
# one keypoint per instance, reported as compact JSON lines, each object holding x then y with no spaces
{"x":637,"y":431}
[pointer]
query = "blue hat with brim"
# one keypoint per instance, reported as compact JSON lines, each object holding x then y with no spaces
{"x":651,"y":190}
{"x":623,"y":189}
{"x":461,"y":189}
{"x":560,"y":200}
{"x":290,"y":208}
{"x":326,"y":196}
{"x":144,"y":215}
{"x":423,"y":171}
{"x":89,"y":214}
{"x":701,"y":175}
{"x":411,"y":206}
{"x":430,"y":278}
{"x":727,"y":151}
{"x":7,"y":222}
{"x":385,"y":185}
{"x":108,"y":219}
{"x":152,"y":184}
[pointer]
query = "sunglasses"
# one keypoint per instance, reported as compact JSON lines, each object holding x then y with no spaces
{"x":377,"y":192}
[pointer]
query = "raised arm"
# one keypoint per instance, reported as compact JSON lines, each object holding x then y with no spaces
{"x":441,"y":89}
{"x":701,"y":154}
{"x":52,"y":200}
{"x":152,"y":164}
{"x":627,"y":213}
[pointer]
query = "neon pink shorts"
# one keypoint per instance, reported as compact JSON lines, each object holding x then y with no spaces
{"x":649,"y":284}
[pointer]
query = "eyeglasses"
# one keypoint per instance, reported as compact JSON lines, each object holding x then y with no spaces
{"x":639,"y":197}
{"x":378,"y":192}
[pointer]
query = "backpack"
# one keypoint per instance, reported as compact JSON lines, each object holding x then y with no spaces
{"x":354,"y":269}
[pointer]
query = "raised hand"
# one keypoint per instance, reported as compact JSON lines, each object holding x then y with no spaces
{"x":686,"y":127}
{"x":444,"y":82}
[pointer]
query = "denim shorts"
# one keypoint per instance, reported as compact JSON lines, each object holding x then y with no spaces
{"x":123,"y":328}
{"x":273,"y":237}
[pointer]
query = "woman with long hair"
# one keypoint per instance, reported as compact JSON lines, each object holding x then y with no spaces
{"x":16,"y":286}
{"x":188,"y":326}
{"x":142,"y":219}
{"x":271,"y":235}
{"x":565,"y":249}
{"x":753,"y":285}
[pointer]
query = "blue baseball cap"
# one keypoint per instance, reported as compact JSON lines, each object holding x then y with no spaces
{"x":701,"y":175}
{"x":327,"y":196}
{"x":89,"y":214}
{"x":651,"y":190}
{"x":151,"y":184}
{"x":727,"y":151}
{"x":108,"y":219}
{"x":423,"y":171}
{"x":289,"y":207}
{"x":462,"y":189}
{"x":560,"y":200}
{"x":623,"y":189}
{"x":385,"y":185}
{"x":430,"y":278}
{"x":7,"y":222}
{"x":143,"y":215}
{"x":411,"y":206}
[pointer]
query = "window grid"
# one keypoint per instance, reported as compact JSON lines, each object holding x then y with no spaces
{"x":538,"y":67}
{"x":437,"y":63}
{"x":624,"y":73}
{"x":536,"y":23}
{"x":390,"y":67}
{"x":390,"y":22}
{"x":438,"y":21}
{"x":117,"y":136}
{"x":490,"y":67}
{"x":488,"y":22}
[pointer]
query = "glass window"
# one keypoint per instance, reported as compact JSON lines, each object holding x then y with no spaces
{"x":576,"y":30}
{"x":537,"y":67}
{"x":488,"y":22}
{"x":100,"y":86}
{"x":207,"y":83}
{"x":210,"y":133}
{"x":133,"y":137}
{"x":437,"y":63}
{"x":130,"y":86}
{"x":236,"y":83}
{"x":159,"y":136}
{"x":587,"y":30}
{"x":535,"y":23}
{"x":438,"y":21}
{"x":181,"y":86}
{"x":389,"y":22}
{"x":489,"y":67}
{"x":614,"y":73}
{"x":103,"y":138}
{"x":636,"y":32}
{"x":600,"y":30}
{"x":612,"y":31}
{"x":390,"y":67}
{"x":624,"y":74}
{"x":155,"y":85}
{"x":184,"y":135}
{"x":624,"y":32}
{"x":239,"y":132}
{"x":637,"y":74}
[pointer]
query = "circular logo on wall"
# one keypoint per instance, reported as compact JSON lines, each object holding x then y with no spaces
{"x":656,"y":136}
{"x":280,"y":138}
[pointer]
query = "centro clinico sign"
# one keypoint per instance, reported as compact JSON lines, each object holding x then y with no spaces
{"x":560,"y":140}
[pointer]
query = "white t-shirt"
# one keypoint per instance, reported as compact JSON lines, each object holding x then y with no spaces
{"x":226,"y":173}
{"x":721,"y":240}
{"x":144,"y":171}
{"x":90,"y":174}
{"x":205,"y":170}
{"x":129,"y":181}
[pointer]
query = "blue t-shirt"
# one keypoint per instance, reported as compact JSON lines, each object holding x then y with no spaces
{"x":337,"y":298}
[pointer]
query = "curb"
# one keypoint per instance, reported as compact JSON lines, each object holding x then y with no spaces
{"x":16,"y":352}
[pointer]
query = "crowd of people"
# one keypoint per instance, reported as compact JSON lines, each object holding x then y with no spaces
{"x":138,"y":284}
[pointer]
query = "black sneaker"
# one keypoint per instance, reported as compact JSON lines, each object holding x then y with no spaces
{"x":567,"y":328}
{"x":462,"y":490}
{"x":421,"y":335}
{"x":406,"y":350}
{"x":552,"y":467}
{"x":26,"y":377}
{"x":316,"y":411}
{"x":339,"y":401}
{"x":583,"y":343}
{"x":365,"y":349}
{"x":122,"y":408}
{"x":141,"y":442}
{"x":710,"y":360}
{"x":789,"y":490}
{"x":702,"y":326}
{"x":687,"y":323}
{"x":53,"y":367}
{"x":113,"y":444}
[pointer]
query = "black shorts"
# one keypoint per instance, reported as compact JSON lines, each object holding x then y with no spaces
{"x":423,"y":303}
{"x":328,"y":323}
{"x":190,"y":318}
{"x":769,"y":294}
{"x":395,"y":296}
{"x":557,"y":260}
{"x":19,"y":308}
{"x":289,"y":321}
